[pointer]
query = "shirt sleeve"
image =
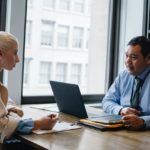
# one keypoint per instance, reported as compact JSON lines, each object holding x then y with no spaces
{"x":25,"y":126}
{"x":147,"y":121}
{"x":111,"y":101}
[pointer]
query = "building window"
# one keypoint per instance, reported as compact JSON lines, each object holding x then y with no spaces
{"x":77,"y":37}
{"x":48,"y":3}
{"x":64,"y":4}
{"x":62,"y":36}
{"x":26,"y":72}
{"x":76,"y":73}
{"x":45,"y":72}
{"x":87,"y":38}
{"x":61,"y":71}
{"x":30,"y":3}
{"x":28,"y":32}
{"x":79,"y":6}
{"x":47,"y":33}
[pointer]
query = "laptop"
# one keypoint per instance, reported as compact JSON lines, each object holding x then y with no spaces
{"x":69,"y":100}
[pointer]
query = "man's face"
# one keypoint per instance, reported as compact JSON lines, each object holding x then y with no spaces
{"x":9,"y":58}
{"x":135,"y":61}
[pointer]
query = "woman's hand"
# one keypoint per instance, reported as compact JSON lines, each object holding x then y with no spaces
{"x":46,"y":122}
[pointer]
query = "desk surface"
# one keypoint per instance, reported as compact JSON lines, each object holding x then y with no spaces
{"x":85,"y":138}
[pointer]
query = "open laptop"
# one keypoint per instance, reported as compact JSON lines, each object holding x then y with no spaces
{"x":69,"y":100}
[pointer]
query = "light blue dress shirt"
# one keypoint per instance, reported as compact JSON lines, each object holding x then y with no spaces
{"x":119,"y":94}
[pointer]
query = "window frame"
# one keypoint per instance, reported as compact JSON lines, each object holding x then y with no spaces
{"x":89,"y":98}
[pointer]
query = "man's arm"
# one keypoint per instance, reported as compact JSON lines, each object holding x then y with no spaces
{"x":111,"y":101}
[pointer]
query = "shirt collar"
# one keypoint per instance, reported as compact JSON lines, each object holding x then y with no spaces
{"x":143,"y":74}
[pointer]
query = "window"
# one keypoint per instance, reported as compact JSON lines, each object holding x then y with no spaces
{"x":47,"y":33}
{"x":45,"y":70}
{"x":61,"y":71}
{"x":76,"y":73}
{"x":77,"y":37}
{"x":64,"y":4}
{"x":83,"y":39}
{"x":79,"y":6}
{"x":26,"y":72}
{"x":62,"y":36}
{"x":48,"y":3}
{"x":30,"y":3}
{"x":28,"y":32}
{"x":87,"y":38}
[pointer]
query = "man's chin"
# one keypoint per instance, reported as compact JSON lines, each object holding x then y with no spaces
{"x":131,"y":72}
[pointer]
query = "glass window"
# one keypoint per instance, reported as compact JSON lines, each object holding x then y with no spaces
{"x":45,"y":70}
{"x":26,"y":71}
{"x":61,"y":71}
{"x":76,"y":73}
{"x":64,"y":4}
{"x":47,"y":33}
{"x":48,"y":3}
{"x":77,"y":37}
{"x":79,"y":6}
{"x":62,"y":36}
{"x":28,"y":32}
{"x":87,"y":38}
{"x":84,"y":41}
{"x":30,"y":3}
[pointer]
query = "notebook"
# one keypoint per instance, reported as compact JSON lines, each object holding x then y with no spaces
{"x":69,"y":100}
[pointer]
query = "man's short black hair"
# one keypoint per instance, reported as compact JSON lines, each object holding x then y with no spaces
{"x":143,"y":42}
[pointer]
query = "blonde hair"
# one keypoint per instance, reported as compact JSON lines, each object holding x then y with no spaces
{"x":6,"y":40}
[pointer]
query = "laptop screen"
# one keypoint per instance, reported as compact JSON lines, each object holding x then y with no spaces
{"x":68,"y":98}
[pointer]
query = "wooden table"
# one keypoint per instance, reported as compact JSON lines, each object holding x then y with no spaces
{"x":85,"y":138}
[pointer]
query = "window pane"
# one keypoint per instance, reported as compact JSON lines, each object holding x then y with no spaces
{"x":62,"y":36}
{"x":68,"y":47}
{"x":28,"y":32}
{"x":77,"y":37}
{"x":61,"y":71}
{"x":48,"y":3}
{"x":78,"y":6}
{"x":26,"y":71}
{"x":47,"y":33}
{"x":76,"y":73}
{"x":64,"y":4}
{"x":45,"y":70}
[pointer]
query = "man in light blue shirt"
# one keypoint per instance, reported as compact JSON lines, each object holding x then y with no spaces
{"x":118,"y":99}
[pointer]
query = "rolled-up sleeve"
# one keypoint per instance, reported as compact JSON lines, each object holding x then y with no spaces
{"x":25,"y":126}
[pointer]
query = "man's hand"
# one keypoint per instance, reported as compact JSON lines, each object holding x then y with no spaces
{"x":133,"y":122}
{"x":45,"y":123}
{"x":128,"y":111}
